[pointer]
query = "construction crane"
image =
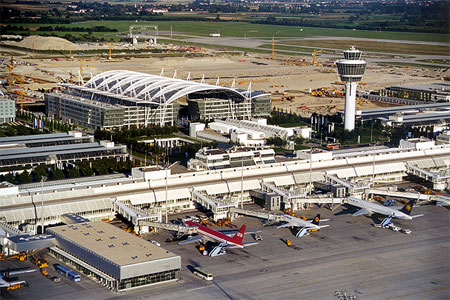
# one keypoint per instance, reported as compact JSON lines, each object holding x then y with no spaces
{"x":10,"y":68}
{"x":314,"y":55}
{"x":110,"y":47}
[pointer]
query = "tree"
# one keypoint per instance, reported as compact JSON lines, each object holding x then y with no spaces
{"x":39,"y":171}
{"x":74,"y":173}
{"x":10,"y":178}
{"x":57,"y":174}
{"x":25,"y":177}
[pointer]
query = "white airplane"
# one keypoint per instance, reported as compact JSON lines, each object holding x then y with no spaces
{"x":305,"y":225}
{"x":370,"y":208}
{"x":12,"y":285}
{"x":442,"y":201}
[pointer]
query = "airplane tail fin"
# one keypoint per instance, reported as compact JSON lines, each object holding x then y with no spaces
{"x":408,"y":207}
{"x":239,"y":236}
{"x":316,"y":220}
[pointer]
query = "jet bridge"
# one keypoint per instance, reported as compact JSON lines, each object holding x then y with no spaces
{"x":439,"y":181}
{"x":299,"y":201}
{"x":134,"y":215}
{"x":352,"y":188}
{"x":269,"y":216}
{"x":418,"y":196}
{"x":218,"y":208}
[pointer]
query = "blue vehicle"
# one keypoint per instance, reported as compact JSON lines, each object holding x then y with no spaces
{"x":68,"y":273}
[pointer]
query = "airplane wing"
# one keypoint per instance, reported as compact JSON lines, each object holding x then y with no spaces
{"x":363,"y":211}
{"x":288,"y":224}
{"x":191,"y":239}
{"x":233,"y":232}
{"x":229,"y":246}
{"x":5,"y":284}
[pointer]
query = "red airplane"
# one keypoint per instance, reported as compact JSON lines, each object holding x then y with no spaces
{"x":225,"y":240}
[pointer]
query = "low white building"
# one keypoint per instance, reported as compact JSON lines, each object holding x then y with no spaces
{"x":417,"y":143}
{"x":215,"y":159}
{"x":314,"y":154}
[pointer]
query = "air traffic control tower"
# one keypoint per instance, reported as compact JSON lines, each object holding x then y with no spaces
{"x":351,"y":69}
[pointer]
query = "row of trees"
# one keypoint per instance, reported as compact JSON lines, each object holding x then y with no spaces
{"x":77,"y":29}
{"x":81,"y":169}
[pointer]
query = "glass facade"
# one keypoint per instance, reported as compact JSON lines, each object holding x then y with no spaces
{"x":147,"y":279}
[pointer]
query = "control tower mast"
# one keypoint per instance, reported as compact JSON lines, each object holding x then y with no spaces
{"x":351,"y":69}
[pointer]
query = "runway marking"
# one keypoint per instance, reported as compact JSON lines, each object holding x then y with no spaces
{"x":199,"y":288}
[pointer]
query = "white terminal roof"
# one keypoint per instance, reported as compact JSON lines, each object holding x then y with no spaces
{"x":111,"y":243}
{"x":152,"y":88}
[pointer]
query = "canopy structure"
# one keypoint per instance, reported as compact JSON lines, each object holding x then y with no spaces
{"x":157,"y":89}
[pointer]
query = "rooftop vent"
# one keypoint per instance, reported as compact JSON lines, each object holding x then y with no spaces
{"x":111,"y":245}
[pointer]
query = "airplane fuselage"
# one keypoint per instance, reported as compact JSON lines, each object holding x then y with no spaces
{"x":377,"y":208}
{"x":214,"y":235}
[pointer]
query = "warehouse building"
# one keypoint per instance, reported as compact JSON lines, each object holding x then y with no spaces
{"x":112,"y":256}
{"x":41,"y":140}
{"x":435,"y":92}
{"x":50,"y":155}
{"x":116,"y":99}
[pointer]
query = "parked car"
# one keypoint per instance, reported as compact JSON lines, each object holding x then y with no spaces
{"x":257,"y":237}
{"x":56,"y":279}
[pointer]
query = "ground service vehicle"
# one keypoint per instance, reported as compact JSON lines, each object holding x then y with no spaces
{"x":68,"y":273}
{"x":202,"y":273}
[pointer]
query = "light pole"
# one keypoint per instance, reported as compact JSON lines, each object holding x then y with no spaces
{"x":43,"y":178}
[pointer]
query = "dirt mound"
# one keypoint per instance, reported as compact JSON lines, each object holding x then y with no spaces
{"x":47,"y":43}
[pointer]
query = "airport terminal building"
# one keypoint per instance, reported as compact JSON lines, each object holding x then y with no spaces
{"x":112,"y":256}
{"x":116,"y":99}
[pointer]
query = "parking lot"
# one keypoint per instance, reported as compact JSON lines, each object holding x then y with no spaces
{"x":349,"y":256}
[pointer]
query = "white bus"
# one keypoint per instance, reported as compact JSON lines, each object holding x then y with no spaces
{"x":203,"y":274}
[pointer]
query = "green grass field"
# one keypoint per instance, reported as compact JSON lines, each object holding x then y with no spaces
{"x":241,"y":29}
{"x":375,"y":46}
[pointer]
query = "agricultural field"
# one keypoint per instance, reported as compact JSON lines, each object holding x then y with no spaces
{"x":243,"y":29}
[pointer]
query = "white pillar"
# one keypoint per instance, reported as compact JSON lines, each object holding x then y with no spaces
{"x":350,"y":99}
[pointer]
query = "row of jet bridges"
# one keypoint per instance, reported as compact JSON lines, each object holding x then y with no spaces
{"x":143,"y":221}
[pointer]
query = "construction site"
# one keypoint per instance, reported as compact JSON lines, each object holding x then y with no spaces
{"x":299,"y":84}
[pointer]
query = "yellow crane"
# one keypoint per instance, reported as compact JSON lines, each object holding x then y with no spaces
{"x":110,"y":47}
{"x":314,"y":55}
{"x":10,"y":68}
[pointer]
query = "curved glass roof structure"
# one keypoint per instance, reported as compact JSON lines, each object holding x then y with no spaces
{"x":157,"y":89}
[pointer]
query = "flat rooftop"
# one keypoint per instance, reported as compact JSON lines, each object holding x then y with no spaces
{"x":112,"y":243}
{"x":435,"y":86}
{"x":412,"y":108}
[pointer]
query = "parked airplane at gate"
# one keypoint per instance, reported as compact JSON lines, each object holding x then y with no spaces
{"x":12,"y":285}
{"x":369,"y":208}
{"x":306,"y":226}
{"x":224,"y":240}
{"x":442,"y":201}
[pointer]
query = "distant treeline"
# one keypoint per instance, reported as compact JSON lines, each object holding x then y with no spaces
{"x":434,"y":26}
{"x":77,"y":29}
